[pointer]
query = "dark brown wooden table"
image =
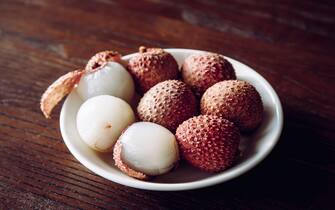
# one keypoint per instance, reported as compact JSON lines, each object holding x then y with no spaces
{"x":291,"y":43}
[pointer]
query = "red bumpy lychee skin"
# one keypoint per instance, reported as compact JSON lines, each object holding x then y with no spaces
{"x":168,"y":103}
{"x":204,"y":70}
{"x":151,"y":66}
{"x":235,"y":100}
{"x":208,"y":142}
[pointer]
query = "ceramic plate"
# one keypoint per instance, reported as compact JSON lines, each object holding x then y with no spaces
{"x":254,"y":147}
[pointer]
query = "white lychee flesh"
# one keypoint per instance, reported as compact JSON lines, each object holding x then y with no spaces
{"x":110,"y":79}
{"x":149,"y":148}
{"x":101,"y":120}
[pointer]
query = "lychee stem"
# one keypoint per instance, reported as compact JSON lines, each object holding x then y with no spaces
{"x":142,"y":49}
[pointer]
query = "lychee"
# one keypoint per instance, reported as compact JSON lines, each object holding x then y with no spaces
{"x":101,"y":120}
{"x":110,"y":78}
{"x":151,"y":66}
{"x":234,"y":100}
{"x":146,"y":149}
{"x":168,"y":103}
{"x":208,"y":142}
{"x":201,"y":71}
{"x":66,"y":83}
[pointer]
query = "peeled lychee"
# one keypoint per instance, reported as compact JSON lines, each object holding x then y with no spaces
{"x":208,"y":142}
{"x":101,"y":120}
{"x":201,"y":71}
{"x":110,"y":78}
{"x":234,"y":100}
{"x":151,"y":66}
{"x":146,"y":149}
{"x":168,"y":103}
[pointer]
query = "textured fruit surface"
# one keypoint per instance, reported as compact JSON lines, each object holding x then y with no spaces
{"x":208,"y":142}
{"x":234,"y":100}
{"x":151,"y":66}
{"x":168,"y":103}
{"x":204,"y":70}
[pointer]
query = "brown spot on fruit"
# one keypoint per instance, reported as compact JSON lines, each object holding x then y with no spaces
{"x":109,"y":125}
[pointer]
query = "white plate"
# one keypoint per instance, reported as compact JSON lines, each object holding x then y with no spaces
{"x":254,"y":148}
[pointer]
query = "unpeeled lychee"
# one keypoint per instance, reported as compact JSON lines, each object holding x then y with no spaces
{"x":201,"y":71}
{"x":168,"y":103}
{"x":208,"y":142}
{"x":234,"y":100}
{"x":151,"y":66}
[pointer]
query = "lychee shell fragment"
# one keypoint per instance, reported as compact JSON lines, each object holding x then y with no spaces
{"x":58,"y":90}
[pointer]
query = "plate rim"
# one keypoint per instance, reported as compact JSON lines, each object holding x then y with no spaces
{"x":220,"y":178}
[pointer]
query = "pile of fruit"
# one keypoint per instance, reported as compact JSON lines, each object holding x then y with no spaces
{"x":196,"y":113}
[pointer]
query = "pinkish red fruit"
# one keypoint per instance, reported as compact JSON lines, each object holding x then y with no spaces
{"x":235,"y":100}
{"x":204,"y":70}
{"x":168,"y":103}
{"x":208,"y":142}
{"x":151,"y":66}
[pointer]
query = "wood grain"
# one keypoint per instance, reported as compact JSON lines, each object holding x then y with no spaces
{"x":291,"y":43}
